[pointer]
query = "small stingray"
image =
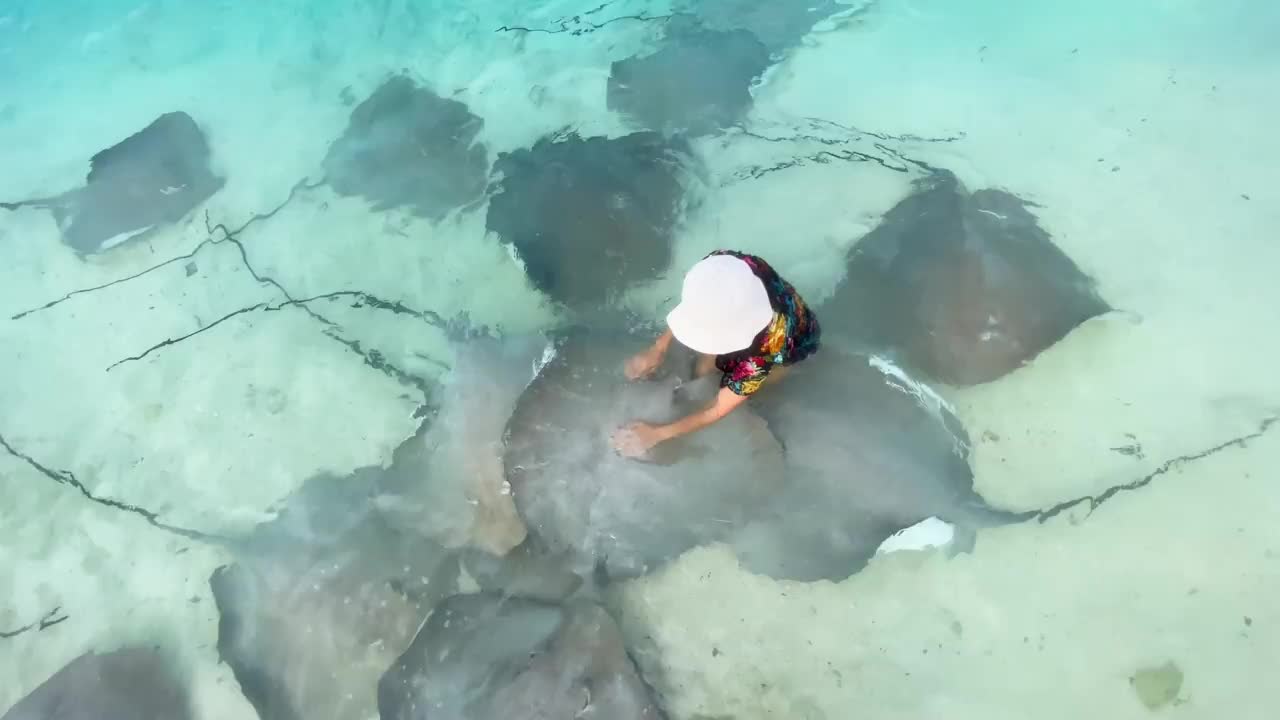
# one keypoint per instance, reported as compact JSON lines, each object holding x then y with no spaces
{"x":618,"y":515}
{"x":869,"y":452}
{"x":322,"y":599}
{"x":485,"y":657}
{"x":964,"y":288}
{"x":696,"y":83}
{"x":152,"y":178}
{"x":589,"y":218}
{"x":407,"y":146}
{"x":127,"y":684}
{"x":780,"y":24}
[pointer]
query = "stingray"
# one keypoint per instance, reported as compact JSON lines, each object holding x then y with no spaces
{"x":127,"y":684}
{"x":321,"y":600}
{"x":614,"y":515}
{"x":963,"y":288}
{"x":153,"y":178}
{"x":405,"y":146}
{"x":486,"y":657}
{"x":589,"y":218}
{"x":779,"y":24}
{"x":450,"y":477}
{"x":697,"y":83}
{"x":869,"y":452}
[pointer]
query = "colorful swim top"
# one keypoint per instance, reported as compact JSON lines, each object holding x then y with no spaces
{"x":792,"y":336}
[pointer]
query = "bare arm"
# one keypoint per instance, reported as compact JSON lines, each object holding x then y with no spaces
{"x":726,"y":401}
{"x":650,"y":359}
{"x":662,"y":343}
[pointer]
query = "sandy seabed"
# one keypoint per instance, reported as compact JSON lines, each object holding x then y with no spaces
{"x":1146,"y":138}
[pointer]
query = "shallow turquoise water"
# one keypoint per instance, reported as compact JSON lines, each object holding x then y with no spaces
{"x":168,"y":397}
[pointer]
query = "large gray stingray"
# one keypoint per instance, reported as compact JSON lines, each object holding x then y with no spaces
{"x":869,"y":451}
{"x":127,"y":684}
{"x":152,"y":178}
{"x":406,"y":146}
{"x":486,"y":657}
{"x":322,"y":600}
{"x":697,"y":82}
{"x":623,"y":516}
{"x":591,"y":217}
{"x":962,"y":287}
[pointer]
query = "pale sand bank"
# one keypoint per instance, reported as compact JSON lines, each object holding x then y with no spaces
{"x":115,"y":579}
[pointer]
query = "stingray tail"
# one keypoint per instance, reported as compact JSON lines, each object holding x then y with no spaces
{"x":38,"y":203}
{"x":982,"y":515}
{"x":977,"y":515}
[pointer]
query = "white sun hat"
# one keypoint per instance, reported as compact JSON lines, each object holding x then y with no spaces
{"x":723,"y":306}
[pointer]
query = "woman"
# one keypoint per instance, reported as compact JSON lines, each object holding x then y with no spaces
{"x":744,"y":321}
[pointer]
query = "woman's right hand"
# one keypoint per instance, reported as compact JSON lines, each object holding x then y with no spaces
{"x":643,"y":364}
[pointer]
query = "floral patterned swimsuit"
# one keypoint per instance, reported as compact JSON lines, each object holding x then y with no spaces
{"x":792,"y":336}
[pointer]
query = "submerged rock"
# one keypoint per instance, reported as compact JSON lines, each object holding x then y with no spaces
{"x":485,"y":657}
{"x":589,"y":218}
{"x":869,"y":452}
{"x":622,"y":516}
{"x":962,"y":287}
{"x":405,"y":146}
{"x":321,"y":601}
{"x":127,"y":684}
{"x":153,"y":178}
{"x":1157,"y":687}
{"x":696,"y":83}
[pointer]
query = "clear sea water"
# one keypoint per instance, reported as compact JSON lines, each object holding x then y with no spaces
{"x":166,"y":399}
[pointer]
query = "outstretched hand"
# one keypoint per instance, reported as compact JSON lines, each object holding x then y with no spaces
{"x":642,"y":364}
{"x":635,"y":439}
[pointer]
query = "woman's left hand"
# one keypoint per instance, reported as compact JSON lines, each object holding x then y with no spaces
{"x":636,"y":439}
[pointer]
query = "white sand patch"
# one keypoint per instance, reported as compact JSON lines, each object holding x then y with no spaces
{"x":323,"y":243}
{"x":208,"y":432}
{"x":525,"y":95}
{"x":1098,"y":409}
{"x":43,"y":269}
{"x":115,"y":579}
{"x":1055,"y":617}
